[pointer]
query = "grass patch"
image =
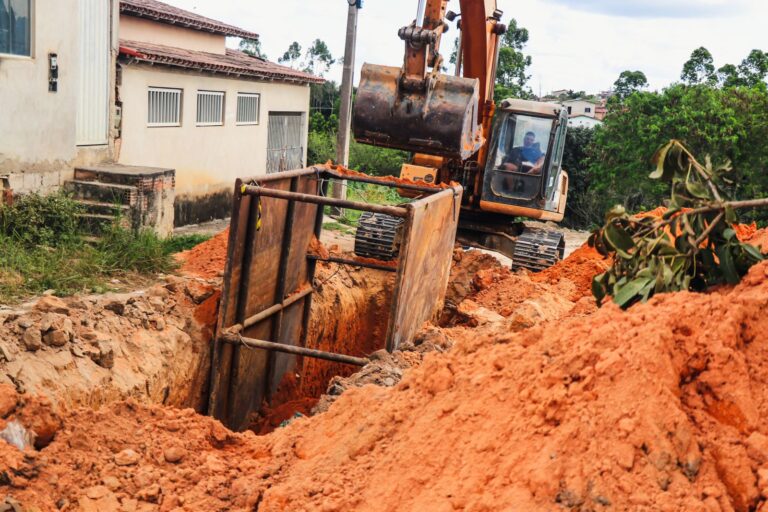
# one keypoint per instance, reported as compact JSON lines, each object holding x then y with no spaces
{"x":181,"y":243}
{"x":338,"y":226}
{"x":365,"y":193}
{"x":42,"y":247}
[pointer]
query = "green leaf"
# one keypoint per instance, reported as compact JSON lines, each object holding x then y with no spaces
{"x":659,"y":159}
{"x":730,"y":215}
{"x":726,"y":265}
{"x":619,"y":240}
{"x":729,"y":233}
{"x":697,"y":189}
{"x":598,"y":288}
{"x":629,"y":292}
{"x":753,"y":251}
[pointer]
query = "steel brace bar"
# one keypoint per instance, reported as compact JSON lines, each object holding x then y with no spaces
{"x":292,"y":349}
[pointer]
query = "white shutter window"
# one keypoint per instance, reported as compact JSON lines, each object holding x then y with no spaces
{"x":210,"y":108}
{"x":164,"y":107}
{"x":248,"y":108}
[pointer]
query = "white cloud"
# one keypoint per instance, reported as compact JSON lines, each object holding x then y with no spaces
{"x":575,"y":44}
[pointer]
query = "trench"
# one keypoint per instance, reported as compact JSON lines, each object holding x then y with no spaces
{"x":349,"y":316}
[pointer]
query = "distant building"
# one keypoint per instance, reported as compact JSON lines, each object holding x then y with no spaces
{"x":580,"y":107}
{"x":558,"y":93}
{"x":600,"y":112}
{"x":583,"y":122}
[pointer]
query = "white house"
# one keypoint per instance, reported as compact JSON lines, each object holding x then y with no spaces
{"x":580,"y":107}
{"x":91,"y":85}
{"x":212,"y":113}
{"x":583,"y":121}
{"x":57,"y":75}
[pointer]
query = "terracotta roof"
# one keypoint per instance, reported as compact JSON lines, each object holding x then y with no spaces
{"x":164,"y":13}
{"x":233,"y":63}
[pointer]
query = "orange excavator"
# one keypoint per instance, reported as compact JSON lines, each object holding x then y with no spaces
{"x":507,"y":157}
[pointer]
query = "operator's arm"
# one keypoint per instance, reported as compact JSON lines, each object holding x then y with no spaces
{"x":536,"y":169}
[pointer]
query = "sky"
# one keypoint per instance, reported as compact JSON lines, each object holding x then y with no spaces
{"x":575,"y":44}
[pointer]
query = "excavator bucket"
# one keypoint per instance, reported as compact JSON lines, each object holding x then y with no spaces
{"x":440,"y":120}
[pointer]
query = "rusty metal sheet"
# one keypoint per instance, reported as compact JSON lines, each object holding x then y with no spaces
{"x":425,"y":264}
{"x":267,"y":262}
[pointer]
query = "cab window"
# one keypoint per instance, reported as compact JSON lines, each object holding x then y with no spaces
{"x":518,"y":166}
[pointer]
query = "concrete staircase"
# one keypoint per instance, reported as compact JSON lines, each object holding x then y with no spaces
{"x":139,"y":197}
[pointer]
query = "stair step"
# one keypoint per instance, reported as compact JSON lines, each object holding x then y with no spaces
{"x":118,"y":174}
{"x":100,"y":208}
{"x":101,"y":192}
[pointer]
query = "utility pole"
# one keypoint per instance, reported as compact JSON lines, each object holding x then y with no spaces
{"x":345,"y":113}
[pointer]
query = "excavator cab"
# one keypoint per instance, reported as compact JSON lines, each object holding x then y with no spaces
{"x":523,"y":174}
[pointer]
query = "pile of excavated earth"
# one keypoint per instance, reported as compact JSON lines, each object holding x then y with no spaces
{"x":523,"y":396}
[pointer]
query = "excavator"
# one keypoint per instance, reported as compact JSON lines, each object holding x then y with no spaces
{"x":507,"y":157}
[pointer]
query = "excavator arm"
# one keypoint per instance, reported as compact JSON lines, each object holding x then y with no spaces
{"x":417,"y":108}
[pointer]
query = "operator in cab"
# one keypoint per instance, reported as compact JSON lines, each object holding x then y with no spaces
{"x":527,"y":158}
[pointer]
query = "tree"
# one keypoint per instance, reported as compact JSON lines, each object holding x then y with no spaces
{"x":751,"y":72}
{"x":318,"y":59}
{"x":512,"y":71}
{"x":754,"y":68}
{"x":700,"y":68}
{"x":252,"y":47}
{"x":628,"y":83}
{"x":728,"y":124}
{"x":292,"y":55}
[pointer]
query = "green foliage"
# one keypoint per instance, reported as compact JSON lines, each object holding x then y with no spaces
{"x":692,"y":248}
{"x":512,"y":71}
{"x":373,"y":160}
{"x":124,"y":250}
{"x":729,"y":123}
{"x":252,"y":47}
{"x":700,"y":68}
{"x":317,"y":59}
{"x":584,"y":209}
{"x":629,"y":82}
{"x":179,"y":243}
{"x":291,"y":55}
{"x":42,"y":247}
{"x":752,"y":71}
{"x":41,"y":220}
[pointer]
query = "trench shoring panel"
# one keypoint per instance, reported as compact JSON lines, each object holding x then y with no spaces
{"x":267,"y":293}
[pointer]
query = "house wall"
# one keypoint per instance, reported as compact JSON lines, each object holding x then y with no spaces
{"x":140,"y":29}
{"x":583,"y":122}
{"x":37,"y":127}
{"x":578,"y":108}
{"x":207,"y":159}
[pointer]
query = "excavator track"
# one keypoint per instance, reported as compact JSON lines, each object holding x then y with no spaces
{"x":378,"y":236}
{"x":537,"y":249}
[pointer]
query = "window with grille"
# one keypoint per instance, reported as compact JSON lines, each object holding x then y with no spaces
{"x":210,"y":108}
{"x":16,"y":27}
{"x":248,"y":108}
{"x":164,"y":107}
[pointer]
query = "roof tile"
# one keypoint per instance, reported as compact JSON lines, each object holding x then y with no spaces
{"x":165,"y":13}
{"x":233,"y":63}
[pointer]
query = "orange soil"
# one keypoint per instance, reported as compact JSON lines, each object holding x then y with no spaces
{"x":660,"y":407}
{"x":579,"y":268}
{"x":207,"y":259}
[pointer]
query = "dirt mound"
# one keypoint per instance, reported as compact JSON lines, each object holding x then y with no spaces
{"x":759,"y":238}
{"x":608,"y":412}
{"x":579,"y":268}
{"x":206,"y":259}
{"x":152,"y":345}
